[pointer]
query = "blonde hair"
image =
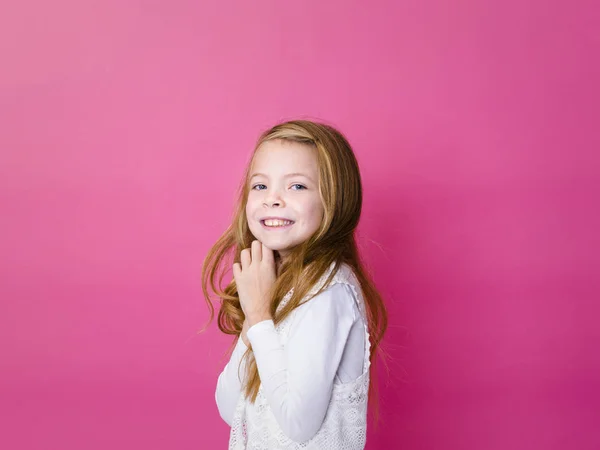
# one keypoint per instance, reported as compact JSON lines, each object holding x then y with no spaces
{"x":334,"y":242}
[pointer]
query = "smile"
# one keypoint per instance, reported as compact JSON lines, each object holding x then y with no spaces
{"x":276,"y":223}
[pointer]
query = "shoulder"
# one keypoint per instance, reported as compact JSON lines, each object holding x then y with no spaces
{"x":328,"y":309}
{"x":343,"y":276}
{"x":340,"y":292}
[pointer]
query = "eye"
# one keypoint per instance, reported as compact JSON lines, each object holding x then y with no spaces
{"x":300,"y":187}
{"x":259,"y":187}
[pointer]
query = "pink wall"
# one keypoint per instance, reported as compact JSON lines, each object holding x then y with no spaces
{"x":124,"y":128}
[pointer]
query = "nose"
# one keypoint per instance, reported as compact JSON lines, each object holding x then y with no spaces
{"x":273,"y":199}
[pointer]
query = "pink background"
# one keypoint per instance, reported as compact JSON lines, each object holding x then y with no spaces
{"x":125,"y":127}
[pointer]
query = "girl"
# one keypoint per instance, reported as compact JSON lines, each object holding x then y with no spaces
{"x":307,"y":317}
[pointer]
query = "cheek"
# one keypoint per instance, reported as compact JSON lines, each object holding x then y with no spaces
{"x":315,"y":212}
{"x":250,"y":206}
{"x":253,"y":226}
{"x":250,"y":213}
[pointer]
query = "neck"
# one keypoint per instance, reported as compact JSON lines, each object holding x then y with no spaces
{"x":278,"y":263}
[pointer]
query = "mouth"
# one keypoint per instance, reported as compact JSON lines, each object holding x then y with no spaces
{"x":276,"y":224}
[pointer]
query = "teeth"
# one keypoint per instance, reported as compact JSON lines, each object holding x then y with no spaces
{"x":277,"y":223}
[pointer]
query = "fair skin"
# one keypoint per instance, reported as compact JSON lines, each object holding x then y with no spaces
{"x":283,"y":209}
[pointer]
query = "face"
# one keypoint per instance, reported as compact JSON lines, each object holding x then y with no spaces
{"x":284,"y":208}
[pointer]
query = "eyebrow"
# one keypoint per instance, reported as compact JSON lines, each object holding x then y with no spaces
{"x":289,"y":175}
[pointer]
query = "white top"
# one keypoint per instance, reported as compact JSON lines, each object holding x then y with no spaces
{"x":325,"y":345}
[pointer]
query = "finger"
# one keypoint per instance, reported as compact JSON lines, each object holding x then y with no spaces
{"x":245,"y":258}
{"x":267,"y":255}
{"x":237,"y":270}
{"x":256,"y":251}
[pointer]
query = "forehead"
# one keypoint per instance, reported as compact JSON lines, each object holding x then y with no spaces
{"x":282,"y":156}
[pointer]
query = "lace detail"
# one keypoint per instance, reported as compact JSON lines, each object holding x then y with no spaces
{"x":254,"y":426}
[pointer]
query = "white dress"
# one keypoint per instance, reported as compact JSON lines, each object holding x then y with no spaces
{"x":314,"y":369}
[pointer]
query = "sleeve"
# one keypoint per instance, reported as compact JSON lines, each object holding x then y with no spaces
{"x":298,"y":378}
{"x":229,"y":384}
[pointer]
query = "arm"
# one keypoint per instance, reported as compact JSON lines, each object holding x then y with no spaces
{"x":229,"y":386}
{"x":298,"y":379}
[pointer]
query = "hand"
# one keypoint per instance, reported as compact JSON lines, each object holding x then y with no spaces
{"x":243,"y":336}
{"x":255,"y":276}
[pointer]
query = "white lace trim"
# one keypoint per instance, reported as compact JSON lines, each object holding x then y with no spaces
{"x":344,"y":427}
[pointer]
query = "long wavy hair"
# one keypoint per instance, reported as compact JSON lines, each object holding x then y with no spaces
{"x":340,"y":189}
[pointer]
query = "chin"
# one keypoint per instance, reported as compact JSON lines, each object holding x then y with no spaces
{"x":275,"y":247}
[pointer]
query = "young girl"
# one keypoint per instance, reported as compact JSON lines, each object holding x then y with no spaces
{"x":307,"y":317}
